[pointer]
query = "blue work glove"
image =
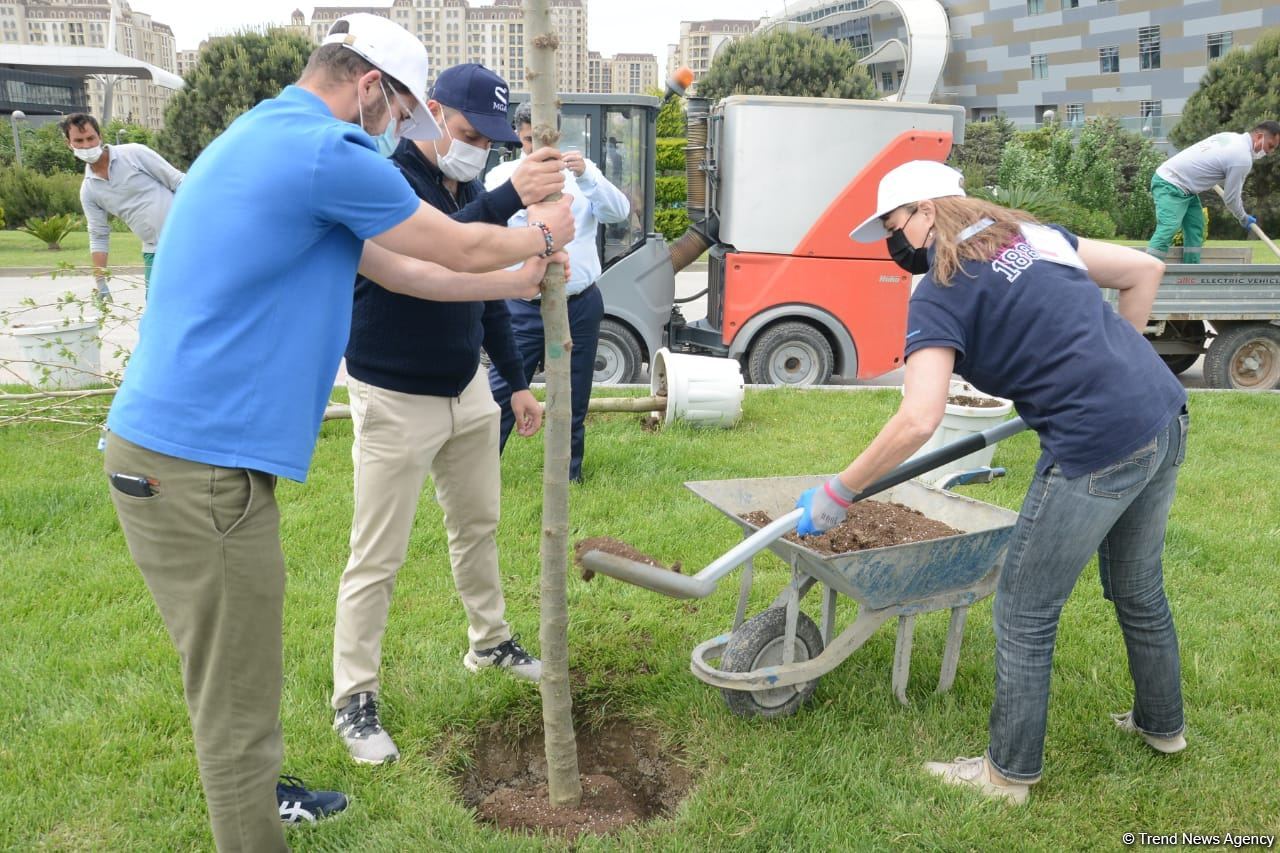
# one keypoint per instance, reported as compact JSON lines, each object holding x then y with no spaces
{"x":824,"y":507}
{"x":1249,"y":221}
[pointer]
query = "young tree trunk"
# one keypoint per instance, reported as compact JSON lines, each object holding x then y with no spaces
{"x":563,"y":783}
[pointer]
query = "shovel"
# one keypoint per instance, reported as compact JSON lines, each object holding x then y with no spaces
{"x":1254,"y":227}
{"x":704,"y":582}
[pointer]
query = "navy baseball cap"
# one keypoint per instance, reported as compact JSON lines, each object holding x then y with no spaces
{"x":480,"y":95}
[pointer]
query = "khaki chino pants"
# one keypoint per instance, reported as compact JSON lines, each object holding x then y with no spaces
{"x":399,"y":440}
{"x":208,"y":545}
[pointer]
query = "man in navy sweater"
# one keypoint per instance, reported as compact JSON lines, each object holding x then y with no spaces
{"x":421,"y":406}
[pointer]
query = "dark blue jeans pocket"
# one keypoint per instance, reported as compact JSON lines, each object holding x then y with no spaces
{"x":1126,"y":476}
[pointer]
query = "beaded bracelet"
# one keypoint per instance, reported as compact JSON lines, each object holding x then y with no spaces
{"x":546,"y":236}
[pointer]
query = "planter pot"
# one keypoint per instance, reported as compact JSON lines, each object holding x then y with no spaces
{"x":963,"y":420}
{"x":59,"y":357}
{"x":700,"y":390}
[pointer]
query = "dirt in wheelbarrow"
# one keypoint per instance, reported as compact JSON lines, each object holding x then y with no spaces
{"x":628,"y":775}
{"x":869,"y":524}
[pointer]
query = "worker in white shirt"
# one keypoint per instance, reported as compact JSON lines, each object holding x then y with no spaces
{"x":595,"y":202}
{"x":129,"y":181}
{"x":1224,"y":158}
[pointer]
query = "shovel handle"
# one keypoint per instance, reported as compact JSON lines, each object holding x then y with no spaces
{"x":1255,"y":228}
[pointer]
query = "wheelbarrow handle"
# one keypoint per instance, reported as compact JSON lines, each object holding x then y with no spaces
{"x":704,"y":582}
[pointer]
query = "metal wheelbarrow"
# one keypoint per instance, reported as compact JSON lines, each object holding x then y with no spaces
{"x":769,"y":665}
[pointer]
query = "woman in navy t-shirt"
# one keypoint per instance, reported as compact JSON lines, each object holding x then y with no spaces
{"x":1015,"y":308}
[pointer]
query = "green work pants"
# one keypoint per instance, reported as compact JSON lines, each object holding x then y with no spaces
{"x":1176,"y":209}
{"x":208,"y":545}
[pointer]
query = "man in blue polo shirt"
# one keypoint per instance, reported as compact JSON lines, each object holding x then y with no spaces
{"x":249,"y":312}
{"x":414,"y":363}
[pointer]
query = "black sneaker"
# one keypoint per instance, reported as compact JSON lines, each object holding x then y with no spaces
{"x":509,"y":656}
{"x":360,"y":729}
{"x":300,"y":805}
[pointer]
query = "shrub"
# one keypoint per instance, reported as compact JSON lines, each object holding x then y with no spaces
{"x":1045,"y":205}
{"x":25,"y":194}
{"x":671,"y":223}
{"x":671,"y":155}
{"x":670,"y":190}
{"x":52,"y":229}
{"x":1084,"y":222}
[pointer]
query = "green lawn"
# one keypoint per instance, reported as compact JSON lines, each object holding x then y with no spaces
{"x":19,"y":250}
{"x":96,"y":754}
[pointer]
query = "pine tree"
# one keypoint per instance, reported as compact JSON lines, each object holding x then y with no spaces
{"x":800,"y":64}
{"x":1238,"y":91}
{"x":232,"y":75}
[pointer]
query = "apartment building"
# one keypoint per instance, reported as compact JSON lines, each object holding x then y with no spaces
{"x":456,"y":31}
{"x":87,"y":23}
{"x":624,"y":74}
{"x":1138,"y":60}
{"x":701,"y":40}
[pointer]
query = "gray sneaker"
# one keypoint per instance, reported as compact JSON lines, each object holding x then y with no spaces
{"x":1168,"y":745}
{"x":977,"y":773}
{"x":357,"y":724}
{"x":510,"y":656}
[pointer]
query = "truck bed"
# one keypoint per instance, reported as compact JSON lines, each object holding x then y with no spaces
{"x":1216,"y":292}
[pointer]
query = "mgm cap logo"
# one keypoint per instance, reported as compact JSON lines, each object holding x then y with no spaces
{"x":500,"y":96}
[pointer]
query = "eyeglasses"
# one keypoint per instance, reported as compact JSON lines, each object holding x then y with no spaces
{"x":405,"y":121}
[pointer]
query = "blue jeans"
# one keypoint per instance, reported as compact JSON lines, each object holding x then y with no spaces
{"x":586,"y":310}
{"x":1121,"y":512}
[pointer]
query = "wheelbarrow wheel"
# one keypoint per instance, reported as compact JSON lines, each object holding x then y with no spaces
{"x":759,"y":643}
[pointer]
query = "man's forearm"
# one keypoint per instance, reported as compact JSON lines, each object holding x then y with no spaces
{"x":482,"y":248}
{"x":426,"y":280}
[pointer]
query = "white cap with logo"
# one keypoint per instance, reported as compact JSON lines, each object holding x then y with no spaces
{"x":906,"y":184}
{"x":395,"y":51}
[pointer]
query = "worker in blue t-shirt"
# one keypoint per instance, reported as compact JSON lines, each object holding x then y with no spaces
{"x":1014,"y":308}
{"x":247,"y":318}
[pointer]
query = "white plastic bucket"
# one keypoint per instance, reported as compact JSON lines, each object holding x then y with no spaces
{"x":59,"y":357}
{"x":701,"y":390}
{"x":960,"y":421}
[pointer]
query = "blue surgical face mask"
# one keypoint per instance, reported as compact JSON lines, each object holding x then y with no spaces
{"x":388,"y":141}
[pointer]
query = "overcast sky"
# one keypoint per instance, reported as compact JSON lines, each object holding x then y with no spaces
{"x":615,"y":26}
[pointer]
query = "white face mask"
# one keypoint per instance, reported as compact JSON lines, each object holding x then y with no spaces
{"x":1258,"y":155}
{"x":88,"y":155}
{"x":462,"y":162}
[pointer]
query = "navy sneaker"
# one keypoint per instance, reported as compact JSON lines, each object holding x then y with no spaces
{"x":300,"y":805}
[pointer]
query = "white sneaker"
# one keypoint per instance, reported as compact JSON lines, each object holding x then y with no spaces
{"x":977,"y":773}
{"x":509,"y":656}
{"x":358,"y":725}
{"x":1168,"y":745}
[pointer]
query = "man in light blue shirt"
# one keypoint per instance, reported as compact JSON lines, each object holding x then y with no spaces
{"x":595,"y":202}
{"x":236,"y":358}
{"x":129,"y":181}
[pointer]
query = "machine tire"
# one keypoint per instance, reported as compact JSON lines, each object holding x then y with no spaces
{"x":619,"y":355}
{"x":1244,"y":357}
{"x":1179,"y":364}
{"x":790,"y":353}
{"x":1180,"y":330}
{"x":758,"y":643}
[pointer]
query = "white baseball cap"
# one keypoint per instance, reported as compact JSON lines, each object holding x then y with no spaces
{"x":393,"y":50}
{"x":907,"y":184}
